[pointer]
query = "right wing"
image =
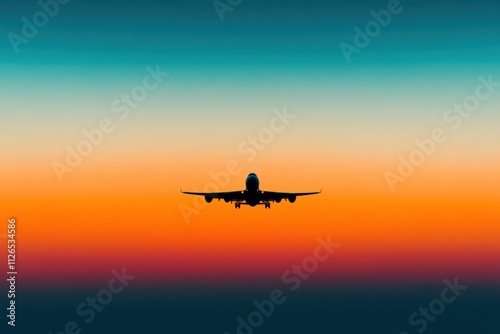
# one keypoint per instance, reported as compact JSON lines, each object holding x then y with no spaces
{"x":225,"y":195}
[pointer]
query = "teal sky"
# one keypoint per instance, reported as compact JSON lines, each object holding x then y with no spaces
{"x":260,"y":55}
{"x":255,"y":35}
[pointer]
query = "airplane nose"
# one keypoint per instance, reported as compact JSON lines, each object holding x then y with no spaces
{"x":252,"y":182}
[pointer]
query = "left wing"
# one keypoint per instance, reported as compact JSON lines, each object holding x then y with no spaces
{"x":278,"y":196}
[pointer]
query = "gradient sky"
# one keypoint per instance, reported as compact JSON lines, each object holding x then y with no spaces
{"x":120,"y":207}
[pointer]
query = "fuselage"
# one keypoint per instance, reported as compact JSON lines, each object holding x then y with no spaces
{"x":252,"y":183}
{"x":252,"y":189}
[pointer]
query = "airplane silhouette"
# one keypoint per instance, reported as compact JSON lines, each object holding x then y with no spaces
{"x":252,"y":195}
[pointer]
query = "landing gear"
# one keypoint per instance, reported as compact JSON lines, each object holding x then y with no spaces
{"x":237,"y":205}
{"x":267,"y":205}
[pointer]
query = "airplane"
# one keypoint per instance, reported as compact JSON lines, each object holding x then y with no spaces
{"x":252,"y":195}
